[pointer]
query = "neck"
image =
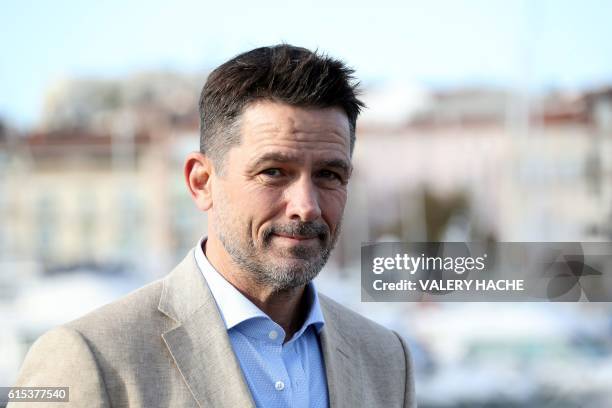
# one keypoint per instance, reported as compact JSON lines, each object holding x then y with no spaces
{"x":286,"y":307}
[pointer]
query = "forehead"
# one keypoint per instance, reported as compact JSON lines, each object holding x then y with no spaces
{"x":267,"y":125}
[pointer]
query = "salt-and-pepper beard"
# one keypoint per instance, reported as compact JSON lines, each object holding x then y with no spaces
{"x":239,"y":245}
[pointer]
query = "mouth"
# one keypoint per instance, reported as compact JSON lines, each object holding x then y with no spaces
{"x":296,"y":238}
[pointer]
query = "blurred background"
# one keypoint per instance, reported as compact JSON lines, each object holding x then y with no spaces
{"x":487,"y":120}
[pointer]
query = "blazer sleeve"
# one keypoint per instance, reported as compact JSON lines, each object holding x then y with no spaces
{"x":62,"y":358}
{"x":409,"y":392}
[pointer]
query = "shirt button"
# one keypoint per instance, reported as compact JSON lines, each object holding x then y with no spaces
{"x":273,"y":335}
{"x":279,"y":385}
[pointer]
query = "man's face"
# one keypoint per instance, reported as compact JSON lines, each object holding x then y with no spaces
{"x":277,"y":208}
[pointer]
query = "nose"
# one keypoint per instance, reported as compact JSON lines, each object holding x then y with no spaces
{"x":303,"y":200}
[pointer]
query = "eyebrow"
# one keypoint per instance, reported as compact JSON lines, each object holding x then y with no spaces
{"x":285,"y":158}
{"x":335,"y":163}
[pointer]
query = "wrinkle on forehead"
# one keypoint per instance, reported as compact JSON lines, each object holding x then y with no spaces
{"x":287,"y":144}
{"x":291,"y":143}
{"x":271,"y":121}
{"x":290,"y":126}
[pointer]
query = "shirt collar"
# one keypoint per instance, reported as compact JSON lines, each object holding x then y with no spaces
{"x":236,"y":308}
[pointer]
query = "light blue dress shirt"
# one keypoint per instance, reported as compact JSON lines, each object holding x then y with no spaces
{"x":278,"y":375}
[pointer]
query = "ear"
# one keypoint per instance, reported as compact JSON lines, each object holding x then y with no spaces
{"x":198,"y":173}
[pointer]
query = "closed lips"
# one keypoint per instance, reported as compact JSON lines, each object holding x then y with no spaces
{"x":298,"y":237}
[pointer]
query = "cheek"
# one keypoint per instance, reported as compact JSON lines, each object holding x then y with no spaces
{"x":263,"y":198}
{"x":260,"y":204}
{"x":332,"y":207}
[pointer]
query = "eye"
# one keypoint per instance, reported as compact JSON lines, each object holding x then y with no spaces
{"x":272,"y":172}
{"x":330,"y":176}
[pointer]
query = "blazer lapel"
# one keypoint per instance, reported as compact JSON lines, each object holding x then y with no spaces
{"x":342,"y":365}
{"x":199,"y":343}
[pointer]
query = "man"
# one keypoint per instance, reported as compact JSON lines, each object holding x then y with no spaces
{"x":239,"y":323}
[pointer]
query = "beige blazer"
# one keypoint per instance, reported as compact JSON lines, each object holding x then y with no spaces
{"x":165,"y":345}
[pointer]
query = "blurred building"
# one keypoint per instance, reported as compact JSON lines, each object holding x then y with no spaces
{"x":483,"y":161}
{"x":101,"y":178}
{"x":154,"y":101}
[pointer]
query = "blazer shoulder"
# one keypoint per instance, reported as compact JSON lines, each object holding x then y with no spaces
{"x":132,"y":311}
{"x":348,"y":321}
{"x":62,"y":358}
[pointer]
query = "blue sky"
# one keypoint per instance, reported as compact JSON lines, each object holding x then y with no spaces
{"x":546,"y":43}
